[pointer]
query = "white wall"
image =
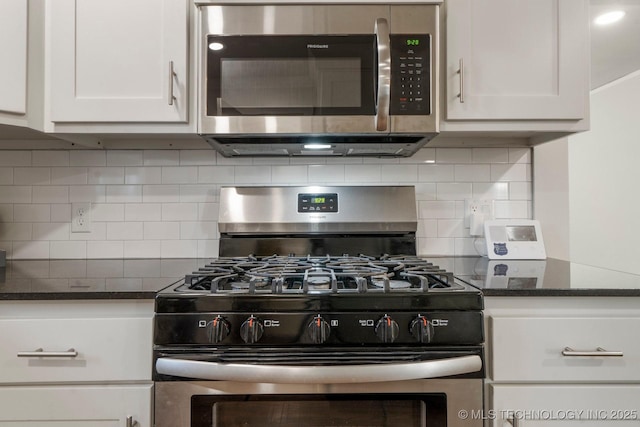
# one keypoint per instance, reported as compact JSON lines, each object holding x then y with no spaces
{"x":164,"y":203}
{"x":604,"y":180}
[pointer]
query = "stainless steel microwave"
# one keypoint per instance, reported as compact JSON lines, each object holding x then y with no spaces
{"x":312,"y":79}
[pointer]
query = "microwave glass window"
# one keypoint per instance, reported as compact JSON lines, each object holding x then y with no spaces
{"x":314,"y":413}
{"x":521,"y":233}
{"x":291,"y":83}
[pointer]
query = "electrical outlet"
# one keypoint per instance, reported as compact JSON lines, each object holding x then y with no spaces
{"x":81,"y":217}
{"x":475,"y":213}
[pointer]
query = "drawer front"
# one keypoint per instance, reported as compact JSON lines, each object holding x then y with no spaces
{"x":531,"y":349}
{"x":77,"y":406}
{"x":108,"y":349}
{"x":563,"y":405}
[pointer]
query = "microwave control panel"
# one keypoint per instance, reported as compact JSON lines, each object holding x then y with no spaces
{"x":410,"y":74}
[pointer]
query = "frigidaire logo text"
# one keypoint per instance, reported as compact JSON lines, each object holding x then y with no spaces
{"x":317,"y":46}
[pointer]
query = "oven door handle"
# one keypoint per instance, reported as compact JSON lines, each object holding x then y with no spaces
{"x":284,"y":374}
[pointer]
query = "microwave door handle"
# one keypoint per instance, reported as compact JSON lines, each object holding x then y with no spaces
{"x":383,"y":43}
{"x":285,"y":374}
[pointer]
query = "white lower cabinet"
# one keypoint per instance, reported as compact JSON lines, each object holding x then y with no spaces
{"x":564,"y":361}
{"x":77,"y":405}
{"x":76,"y":363}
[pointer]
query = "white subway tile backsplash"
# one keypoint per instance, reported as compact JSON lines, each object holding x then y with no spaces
{"x":435,"y":173}
{"x":321,"y":174}
{"x":105,"y":249}
{"x":143,"y":175}
{"x":107,"y":212}
{"x":124,"y":231}
{"x":454,"y":155}
{"x":453,"y":191}
{"x":6,"y":176}
{"x":51,"y":194}
{"x":88,"y":158}
{"x":179,"y":211}
{"x":208,"y":211}
{"x":180,"y":175}
{"x":6,"y":213}
{"x":50,"y":158}
{"x":161,"y":230}
{"x":61,"y":212}
{"x":106,"y":175}
{"x":51,"y":231}
{"x":369,"y":173}
{"x":17,"y":231}
{"x":491,"y":190}
{"x":511,"y":209}
{"x":143,"y":212}
{"x":467,"y":246}
{"x":197,"y":157}
{"x":124,"y":158}
{"x":216,"y":174}
{"x":69,"y":176}
{"x":32,"y":213}
{"x":161,"y":203}
{"x":30,"y":250}
{"x":289,"y":174}
{"x":256,"y":175}
{"x":32,"y":176}
{"x":87,"y":193}
{"x":509,"y":172}
{"x":520,"y":191}
{"x":472,"y":173}
{"x":436,"y":209}
{"x":161,"y":158}
{"x":69,"y":249}
{"x":179,"y":249}
{"x":15,"y":158}
{"x":142,"y":249}
{"x":401,"y":173}
{"x":520,"y":155}
{"x":490,"y":155}
{"x":124,"y":193}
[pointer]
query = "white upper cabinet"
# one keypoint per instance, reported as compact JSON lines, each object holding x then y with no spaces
{"x":517,"y":60}
{"x":117,"y":61}
{"x":13,"y":47}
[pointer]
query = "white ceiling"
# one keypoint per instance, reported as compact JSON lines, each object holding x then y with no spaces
{"x":615,"y":48}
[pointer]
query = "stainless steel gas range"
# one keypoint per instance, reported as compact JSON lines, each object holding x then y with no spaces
{"x":318,"y":313}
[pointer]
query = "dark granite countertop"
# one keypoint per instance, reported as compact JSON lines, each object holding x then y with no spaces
{"x":143,"y":278}
{"x":67,"y":279}
{"x":550,"y":277}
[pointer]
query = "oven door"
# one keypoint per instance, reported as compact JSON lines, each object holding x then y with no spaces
{"x":422,"y":387}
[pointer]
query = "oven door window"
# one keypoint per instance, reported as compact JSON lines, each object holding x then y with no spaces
{"x":291,"y":75}
{"x":319,"y":410}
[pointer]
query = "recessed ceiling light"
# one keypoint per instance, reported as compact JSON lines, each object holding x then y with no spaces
{"x":609,"y":17}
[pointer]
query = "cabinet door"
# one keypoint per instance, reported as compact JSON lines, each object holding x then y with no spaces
{"x":75,"y":406}
{"x":563,"y":405}
{"x":13,"y":45}
{"x":118,"y":60}
{"x":520,"y":59}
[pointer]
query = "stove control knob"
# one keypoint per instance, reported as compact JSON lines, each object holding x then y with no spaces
{"x":319,"y":330}
{"x":217,"y":330}
{"x":251,"y":330}
{"x":387,"y":329}
{"x":421,"y":329}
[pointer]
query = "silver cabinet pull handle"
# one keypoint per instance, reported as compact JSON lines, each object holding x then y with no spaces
{"x":384,"y":73}
{"x":131,"y":422}
{"x":461,"y":73}
{"x":600,"y":352}
{"x":172,"y":75}
{"x":41,"y":353}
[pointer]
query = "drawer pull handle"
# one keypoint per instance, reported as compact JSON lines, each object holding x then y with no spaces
{"x":41,"y":353}
{"x":600,"y":352}
{"x":131,"y":422}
